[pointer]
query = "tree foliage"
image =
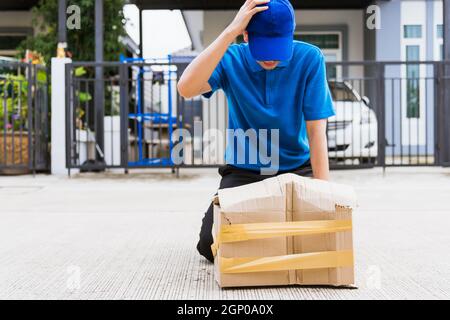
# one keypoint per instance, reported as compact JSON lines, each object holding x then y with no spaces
{"x":81,"y":42}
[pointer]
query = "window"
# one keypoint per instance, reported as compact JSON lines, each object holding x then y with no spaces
{"x":331,"y":70}
{"x":10,"y":42}
{"x":440,"y":31}
{"x":330,"y":44}
{"x":412,"y":31}
{"x":412,"y":82}
{"x":323,"y":41}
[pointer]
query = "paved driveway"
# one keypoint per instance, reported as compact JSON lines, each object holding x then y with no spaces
{"x":112,"y":236}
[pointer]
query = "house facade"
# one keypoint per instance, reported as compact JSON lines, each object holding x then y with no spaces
{"x":343,"y":34}
{"x":386,"y":52}
{"x":387,"y":31}
{"x":16,"y":23}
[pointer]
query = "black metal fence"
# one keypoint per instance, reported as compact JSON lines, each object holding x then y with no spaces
{"x":388,"y":117}
{"x":387,"y":114}
{"x":24,"y":118}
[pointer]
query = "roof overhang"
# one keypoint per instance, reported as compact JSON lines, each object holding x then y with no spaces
{"x":7,"y":5}
{"x":17,"y":5}
{"x":235,"y":4}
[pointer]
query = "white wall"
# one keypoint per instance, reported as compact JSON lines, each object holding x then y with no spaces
{"x":354,"y":19}
{"x":16,"y":19}
{"x":216,"y":21}
{"x":437,"y":20}
{"x":194,"y":24}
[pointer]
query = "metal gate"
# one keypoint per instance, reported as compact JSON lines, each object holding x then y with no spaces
{"x":24,"y":118}
{"x":387,"y":114}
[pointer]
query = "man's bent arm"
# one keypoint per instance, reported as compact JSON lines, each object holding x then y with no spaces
{"x":194,"y":80}
{"x":317,"y":136}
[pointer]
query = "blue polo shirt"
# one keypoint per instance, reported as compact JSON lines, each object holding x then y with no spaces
{"x":284,"y":98}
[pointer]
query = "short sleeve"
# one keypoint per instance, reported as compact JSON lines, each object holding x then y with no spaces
{"x":317,"y":101}
{"x":216,"y":81}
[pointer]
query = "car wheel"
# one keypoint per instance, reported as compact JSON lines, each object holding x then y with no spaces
{"x":368,"y":160}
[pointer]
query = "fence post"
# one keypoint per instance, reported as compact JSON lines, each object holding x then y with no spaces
{"x":123,"y":82}
{"x":58,"y":123}
{"x":381,"y":115}
{"x":445,"y":106}
{"x":36,"y":124}
{"x":438,"y":89}
{"x":99,"y":87}
{"x":30,"y":78}
{"x":442,"y":117}
{"x":47,"y":120}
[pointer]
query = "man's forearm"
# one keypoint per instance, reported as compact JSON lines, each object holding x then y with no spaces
{"x":317,"y":136}
{"x":319,"y":159}
{"x":200,"y":69}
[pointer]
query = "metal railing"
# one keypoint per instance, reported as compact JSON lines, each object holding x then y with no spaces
{"x":387,"y":114}
{"x":24,"y":118}
{"x":400,"y":101}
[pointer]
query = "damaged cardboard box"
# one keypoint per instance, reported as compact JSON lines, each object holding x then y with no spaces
{"x":282,"y":231}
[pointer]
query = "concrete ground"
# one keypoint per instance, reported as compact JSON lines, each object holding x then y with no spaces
{"x":111,"y":236}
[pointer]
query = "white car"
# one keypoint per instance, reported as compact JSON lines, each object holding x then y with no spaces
{"x":352,"y":132}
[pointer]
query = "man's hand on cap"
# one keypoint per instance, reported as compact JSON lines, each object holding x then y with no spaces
{"x":243,"y":17}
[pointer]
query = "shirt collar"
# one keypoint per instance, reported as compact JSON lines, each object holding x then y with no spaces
{"x":255,"y":66}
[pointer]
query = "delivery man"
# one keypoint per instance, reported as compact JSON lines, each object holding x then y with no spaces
{"x":272,"y":83}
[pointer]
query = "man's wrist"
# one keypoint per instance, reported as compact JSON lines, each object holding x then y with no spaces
{"x":229,"y":35}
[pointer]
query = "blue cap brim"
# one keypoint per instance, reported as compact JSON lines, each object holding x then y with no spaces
{"x":270,"y":48}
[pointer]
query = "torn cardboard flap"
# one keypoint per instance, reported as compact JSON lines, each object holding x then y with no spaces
{"x":270,"y":194}
{"x":264,"y":196}
{"x":278,"y":225}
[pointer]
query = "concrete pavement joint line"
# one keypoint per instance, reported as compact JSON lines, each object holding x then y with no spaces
{"x":22,"y":187}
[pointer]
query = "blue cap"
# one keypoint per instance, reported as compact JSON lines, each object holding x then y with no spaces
{"x":271,"y":32}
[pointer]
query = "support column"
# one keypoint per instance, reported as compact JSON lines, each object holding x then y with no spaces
{"x":140,"y":76}
{"x":58,"y":121}
{"x":99,"y":96}
{"x":446,"y":11}
{"x":141,"y":54}
{"x":141,"y":34}
{"x":445,"y":124}
{"x":62,"y":31}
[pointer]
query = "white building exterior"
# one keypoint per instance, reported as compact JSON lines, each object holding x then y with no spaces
{"x":348,"y":25}
{"x":409,"y":30}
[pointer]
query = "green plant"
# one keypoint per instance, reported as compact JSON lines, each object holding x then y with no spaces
{"x":83,"y":99}
{"x":81,"y":43}
{"x":13,"y":96}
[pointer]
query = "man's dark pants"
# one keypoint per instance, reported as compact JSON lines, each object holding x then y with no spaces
{"x":234,"y":177}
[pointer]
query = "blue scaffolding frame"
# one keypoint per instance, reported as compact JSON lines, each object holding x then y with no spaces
{"x":153,"y":117}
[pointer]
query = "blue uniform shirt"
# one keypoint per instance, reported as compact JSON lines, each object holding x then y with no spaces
{"x":284,"y":98}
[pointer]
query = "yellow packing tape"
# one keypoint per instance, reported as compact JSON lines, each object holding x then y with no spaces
{"x":315,"y":260}
{"x":253,"y":231}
